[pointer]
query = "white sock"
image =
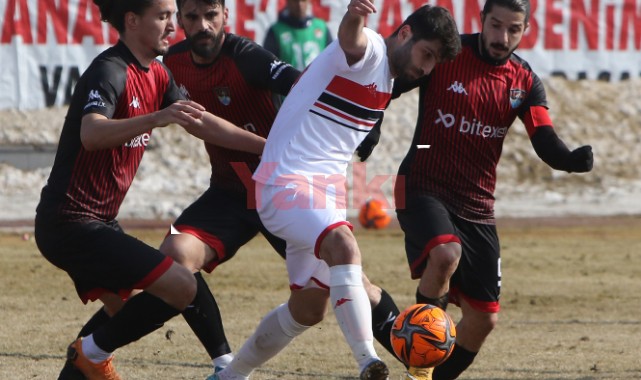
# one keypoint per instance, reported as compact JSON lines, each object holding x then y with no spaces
{"x":94,"y":353}
{"x":223,"y":361}
{"x":274,"y":332}
{"x":353,"y":311}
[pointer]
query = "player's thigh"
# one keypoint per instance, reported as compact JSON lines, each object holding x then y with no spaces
{"x":478,"y":276}
{"x":101,"y":257}
{"x":426,"y":224}
{"x":301,"y":223}
{"x":222,"y":222}
{"x":302,"y":229}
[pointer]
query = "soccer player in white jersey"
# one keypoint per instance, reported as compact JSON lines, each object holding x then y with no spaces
{"x":300,"y":183}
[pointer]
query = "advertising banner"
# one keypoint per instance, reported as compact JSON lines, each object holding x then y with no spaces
{"x":45,"y":45}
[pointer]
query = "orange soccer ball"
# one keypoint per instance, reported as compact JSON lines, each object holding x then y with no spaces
{"x":372,"y":215}
{"x":423,"y":336}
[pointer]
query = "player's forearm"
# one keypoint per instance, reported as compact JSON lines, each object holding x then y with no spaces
{"x":98,"y":132}
{"x":553,"y":151}
{"x":350,"y":31}
{"x":549,"y":147}
{"x":218,"y":131}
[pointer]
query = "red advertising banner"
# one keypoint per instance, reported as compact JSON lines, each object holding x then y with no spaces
{"x":46,"y":44}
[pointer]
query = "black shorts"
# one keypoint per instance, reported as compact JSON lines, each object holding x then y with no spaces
{"x":223,"y":221}
{"x":99,"y":257}
{"x":427,"y":223}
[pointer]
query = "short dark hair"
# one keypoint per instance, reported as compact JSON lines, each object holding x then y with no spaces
{"x":113,"y":11}
{"x":520,"y":6}
{"x":435,"y":23}
{"x":179,"y":3}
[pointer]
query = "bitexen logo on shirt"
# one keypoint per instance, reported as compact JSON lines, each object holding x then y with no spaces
{"x":473,"y":127}
{"x":139,"y":141}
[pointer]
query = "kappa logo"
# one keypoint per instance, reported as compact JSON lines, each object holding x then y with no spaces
{"x":94,"y":95}
{"x":371,"y":88}
{"x":135,"y":103}
{"x":341,"y":302}
{"x":390,"y":319}
{"x":457,"y":88}
{"x":94,"y":100}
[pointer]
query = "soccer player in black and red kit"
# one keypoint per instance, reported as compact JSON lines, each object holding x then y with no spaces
{"x":239,"y":81}
{"x":466,"y":108}
{"x":123,"y":95}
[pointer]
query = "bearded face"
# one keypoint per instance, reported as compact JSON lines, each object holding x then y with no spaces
{"x":502,"y":32}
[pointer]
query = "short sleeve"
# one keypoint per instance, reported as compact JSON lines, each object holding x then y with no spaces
{"x":104,"y":83}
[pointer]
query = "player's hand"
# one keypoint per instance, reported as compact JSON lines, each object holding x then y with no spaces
{"x":581,"y":160}
{"x":361,"y":7}
{"x":366,"y":147}
{"x":183,"y":112}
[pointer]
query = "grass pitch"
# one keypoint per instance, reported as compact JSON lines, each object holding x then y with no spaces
{"x":571,"y":304}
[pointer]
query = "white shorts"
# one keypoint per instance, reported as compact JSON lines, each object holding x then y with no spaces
{"x":298,"y":215}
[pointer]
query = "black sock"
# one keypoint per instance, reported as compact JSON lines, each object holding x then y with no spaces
{"x":141,"y":314}
{"x":455,"y":364}
{"x":383,"y":317}
{"x":440,"y":302}
{"x":203,"y":316}
{"x":100,"y":318}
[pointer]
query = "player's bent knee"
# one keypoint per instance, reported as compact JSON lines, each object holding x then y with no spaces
{"x":339,"y":247}
{"x":177,"y":287}
{"x":485,"y":322}
{"x":311,"y":317}
{"x":446,"y":255}
{"x":171,"y":247}
{"x":185,"y":250}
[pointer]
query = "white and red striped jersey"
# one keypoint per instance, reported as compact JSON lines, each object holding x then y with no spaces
{"x":328,"y":112}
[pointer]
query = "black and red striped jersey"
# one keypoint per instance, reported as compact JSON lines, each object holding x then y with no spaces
{"x":466,"y":108}
{"x":92,"y":184}
{"x":239,"y":86}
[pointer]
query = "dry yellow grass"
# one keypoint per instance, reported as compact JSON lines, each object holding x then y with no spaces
{"x":570,"y":308}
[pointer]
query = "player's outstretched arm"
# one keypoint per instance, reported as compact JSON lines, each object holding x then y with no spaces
{"x":100,"y":132}
{"x":221,"y":132}
{"x":351,"y":37}
{"x":551,"y":149}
